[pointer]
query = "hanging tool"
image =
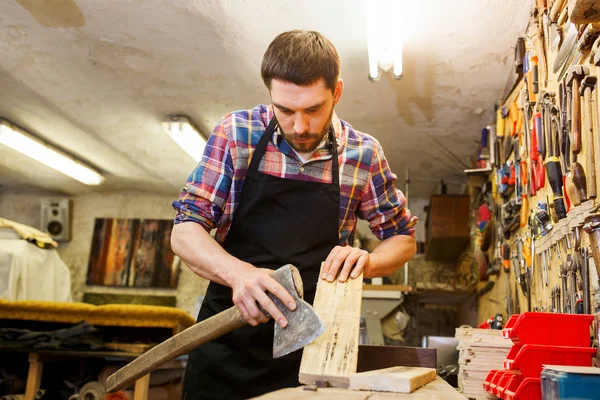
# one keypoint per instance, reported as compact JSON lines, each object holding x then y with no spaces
{"x":542,"y":219}
{"x":587,"y":86}
{"x":552,"y":163}
{"x":574,"y":77}
{"x":537,"y":158}
{"x":585,"y":279}
{"x":569,"y":41}
{"x":565,"y":146}
{"x":565,"y":291}
{"x":592,"y":227}
{"x":559,"y":306}
{"x":521,"y":271}
{"x":585,"y":40}
{"x":506,"y":265}
{"x":572,"y":270}
{"x":584,"y":11}
{"x":554,"y":14}
{"x":579,"y":182}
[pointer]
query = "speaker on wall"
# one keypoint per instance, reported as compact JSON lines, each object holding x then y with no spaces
{"x":55,"y":218}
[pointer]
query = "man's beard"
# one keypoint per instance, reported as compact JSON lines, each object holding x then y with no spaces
{"x":313,"y":140}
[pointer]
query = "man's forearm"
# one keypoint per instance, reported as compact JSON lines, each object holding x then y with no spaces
{"x":202,"y":254}
{"x":390,"y":254}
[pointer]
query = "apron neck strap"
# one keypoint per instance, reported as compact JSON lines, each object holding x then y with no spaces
{"x":259,"y":152}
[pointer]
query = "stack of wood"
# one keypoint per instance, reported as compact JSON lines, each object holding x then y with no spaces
{"x":480,"y":350}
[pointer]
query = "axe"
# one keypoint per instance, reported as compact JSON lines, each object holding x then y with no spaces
{"x":304,"y":326}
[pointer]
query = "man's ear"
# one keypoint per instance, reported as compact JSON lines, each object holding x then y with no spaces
{"x":337,"y":92}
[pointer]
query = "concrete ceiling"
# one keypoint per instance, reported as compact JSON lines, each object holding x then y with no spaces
{"x":97,"y":77}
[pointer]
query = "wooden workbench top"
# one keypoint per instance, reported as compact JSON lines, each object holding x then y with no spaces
{"x":439,"y":389}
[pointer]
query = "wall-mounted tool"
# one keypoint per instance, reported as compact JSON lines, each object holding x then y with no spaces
{"x":586,"y":36}
{"x":592,"y":227}
{"x":564,"y":275}
{"x":559,"y":305}
{"x":585,"y":280}
{"x":542,"y":219}
{"x":573,"y":80}
{"x":584,"y":11}
{"x":506,"y":265}
{"x":587,"y":86}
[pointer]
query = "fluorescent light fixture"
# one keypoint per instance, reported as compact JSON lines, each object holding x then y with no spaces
{"x":186,"y":135}
{"x":23,"y":142}
{"x":384,"y":36}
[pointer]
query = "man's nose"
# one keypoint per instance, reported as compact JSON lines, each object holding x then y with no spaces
{"x":301,"y":124}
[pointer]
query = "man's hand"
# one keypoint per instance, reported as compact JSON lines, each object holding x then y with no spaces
{"x":249,"y":285}
{"x":351,"y":260}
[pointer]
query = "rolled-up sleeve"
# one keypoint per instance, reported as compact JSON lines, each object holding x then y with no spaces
{"x":382,"y":204}
{"x":205,"y":194}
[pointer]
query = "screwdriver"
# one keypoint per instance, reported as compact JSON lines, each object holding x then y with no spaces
{"x":506,"y":257}
{"x":554,"y":172}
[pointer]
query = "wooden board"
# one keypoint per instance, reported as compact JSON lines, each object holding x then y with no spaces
{"x":439,"y":389}
{"x":333,"y":356}
{"x":394,"y":379}
{"x":378,"y":357}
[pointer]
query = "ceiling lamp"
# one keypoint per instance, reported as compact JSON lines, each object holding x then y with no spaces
{"x":384,"y":36}
{"x":23,"y":142}
{"x":186,"y":135}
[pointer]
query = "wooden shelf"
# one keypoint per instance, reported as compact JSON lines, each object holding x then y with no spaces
{"x":441,"y":293}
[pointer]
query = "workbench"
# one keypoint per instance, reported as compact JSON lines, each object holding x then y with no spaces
{"x":439,"y":389}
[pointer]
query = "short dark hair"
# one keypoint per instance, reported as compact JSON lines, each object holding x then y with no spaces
{"x":302,"y":58}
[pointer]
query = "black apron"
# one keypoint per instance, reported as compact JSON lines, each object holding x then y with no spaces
{"x":277,"y":221}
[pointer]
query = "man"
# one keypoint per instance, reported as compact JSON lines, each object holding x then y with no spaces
{"x":282,"y":184}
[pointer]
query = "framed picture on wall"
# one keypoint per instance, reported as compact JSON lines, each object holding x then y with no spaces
{"x":133,"y":253}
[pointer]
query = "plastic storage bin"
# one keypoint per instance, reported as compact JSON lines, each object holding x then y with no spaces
{"x":528,"y":359}
{"x":565,"y":382}
{"x":549,"y":328}
{"x":523,"y":389}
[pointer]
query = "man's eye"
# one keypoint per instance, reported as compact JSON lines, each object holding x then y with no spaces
{"x":312,"y":110}
{"x":287,"y":112}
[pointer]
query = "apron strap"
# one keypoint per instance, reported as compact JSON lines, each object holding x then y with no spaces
{"x":259,"y":152}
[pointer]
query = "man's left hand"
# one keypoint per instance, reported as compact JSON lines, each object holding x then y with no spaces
{"x":351,"y":260}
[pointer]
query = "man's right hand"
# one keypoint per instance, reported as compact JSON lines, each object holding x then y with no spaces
{"x":249,"y":285}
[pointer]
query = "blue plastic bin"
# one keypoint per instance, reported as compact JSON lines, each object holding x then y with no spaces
{"x":562,"y":382}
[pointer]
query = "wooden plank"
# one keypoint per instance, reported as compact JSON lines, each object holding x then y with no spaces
{"x":378,"y":357}
{"x":436,"y":390}
{"x":333,"y":356}
{"x":394,"y":379}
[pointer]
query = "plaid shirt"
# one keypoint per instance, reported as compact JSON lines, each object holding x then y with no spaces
{"x":367,"y":190}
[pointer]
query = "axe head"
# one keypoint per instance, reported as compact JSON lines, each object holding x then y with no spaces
{"x":304,"y":325}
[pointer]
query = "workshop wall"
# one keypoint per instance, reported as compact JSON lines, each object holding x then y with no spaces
{"x":541,"y":108}
{"x":25,"y":208}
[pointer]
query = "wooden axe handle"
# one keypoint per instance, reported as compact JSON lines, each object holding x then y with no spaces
{"x":576,"y":118}
{"x":182,"y":343}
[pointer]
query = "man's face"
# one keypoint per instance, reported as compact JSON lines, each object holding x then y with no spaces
{"x":304,"y":112}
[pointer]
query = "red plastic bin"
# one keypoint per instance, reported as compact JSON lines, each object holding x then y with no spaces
{"x":520,"y":388}
{"x":488,"y":379}
{"x":528,"y":359}
{"x":549,"y":329}
{"x":496,"y":380}
{"x":502,"y":384}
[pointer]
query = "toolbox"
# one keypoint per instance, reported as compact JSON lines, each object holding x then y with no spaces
{"x":560,"y":382}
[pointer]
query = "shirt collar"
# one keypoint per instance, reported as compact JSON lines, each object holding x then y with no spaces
{"x":321,"y":153}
